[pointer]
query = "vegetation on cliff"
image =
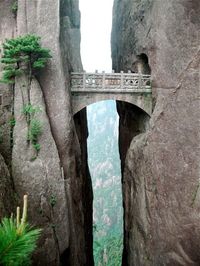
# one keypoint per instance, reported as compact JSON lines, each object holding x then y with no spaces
{"x":23,"y":54}
{"x":17,"y":239}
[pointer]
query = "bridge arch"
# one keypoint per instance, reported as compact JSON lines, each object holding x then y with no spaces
{"x":141,"y":100}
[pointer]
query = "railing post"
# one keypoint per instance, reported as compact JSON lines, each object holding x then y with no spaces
{"x":149,"y":80}
{"x":103,"y":79}
{"x":140,"y":81}
{"x":84,"y":80}
{"x":122,"y":79}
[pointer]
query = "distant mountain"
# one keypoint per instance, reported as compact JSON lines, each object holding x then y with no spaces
{"x":104,"y":163}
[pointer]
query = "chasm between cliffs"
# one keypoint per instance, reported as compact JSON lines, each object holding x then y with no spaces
{"x":109,"y":130}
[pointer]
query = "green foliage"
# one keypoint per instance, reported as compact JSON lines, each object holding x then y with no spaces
{"x":15,"y":246}
{"x":34,"y":125}
{"x":37,"y":147}
{"x":35,"y":130}
{"x":108,"y":251}
{"x":12,"y":122}
{"x":23,"y":54}
{"x":9,"y":75}
{"x":53,"y":200}
{"x":14,"y":8}
{"x":29,"y":109}
{"x":105,"y":170}
{"x":17,"y":240}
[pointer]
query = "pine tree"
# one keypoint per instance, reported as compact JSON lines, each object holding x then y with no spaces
{"x":17,"y":239}
{"x":23,"y":54}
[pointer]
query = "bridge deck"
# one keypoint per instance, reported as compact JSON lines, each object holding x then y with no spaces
{"x":110,"y":82}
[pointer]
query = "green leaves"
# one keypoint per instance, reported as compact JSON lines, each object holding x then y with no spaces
{"x":35,"y":130}
{"x":53,"y":200}
{"x":15,"y":247}
{"x":24,"y":55}
{"x":40,"y":63}
{"x":9,"y":75}
{"x":17,"y":239}
{"x":14,"y":8}
{"x":21,"y":54}
{"x":34,"y":125}
{"x":108,"y":251}
{"x":29,"y":109}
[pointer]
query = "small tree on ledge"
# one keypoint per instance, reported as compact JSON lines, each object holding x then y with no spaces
{"x":23,"y":54}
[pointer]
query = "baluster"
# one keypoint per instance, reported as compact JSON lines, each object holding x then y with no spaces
{"x":122,"y":79}
{"x":84,"y":80}
{"x":103,"y":79}
{"x":140,"y":81}
{"x":96,"y":78}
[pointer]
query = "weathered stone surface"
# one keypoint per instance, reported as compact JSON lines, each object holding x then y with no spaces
{"x":57,"y":22}
{"x":6,"y":190}
{"x":89,"y":88}
{"x":7,"y":30}
{"x":161,"y":172}
{"x":81,"y":100}
{"x":60,"y":171}
{"x":40,"y":176}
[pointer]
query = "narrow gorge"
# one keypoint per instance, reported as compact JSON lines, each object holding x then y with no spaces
{"x":159,"y":153}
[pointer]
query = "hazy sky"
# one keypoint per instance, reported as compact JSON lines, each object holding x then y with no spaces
{"x":96,"y":20}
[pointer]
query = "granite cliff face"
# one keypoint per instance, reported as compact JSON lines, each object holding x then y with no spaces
{"x":159,"y":155}
{"x":7,"y":29}
{"x":57,"y":179}
{"x":161,"y":167}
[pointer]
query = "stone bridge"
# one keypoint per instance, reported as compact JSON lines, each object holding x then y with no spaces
{"x":88,"y":88}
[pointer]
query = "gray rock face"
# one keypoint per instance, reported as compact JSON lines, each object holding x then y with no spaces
{"x":56,"y":179}
{"x":7,"y":30}
{"x":6,"y":189}
{"x":161,"y":168}
{"x":40,"y":176}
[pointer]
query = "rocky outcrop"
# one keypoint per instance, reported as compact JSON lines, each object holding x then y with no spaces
{"x":7,"y":195}
{"x":40,"y":176}
{"x":57,"y":179}
{"x":6,"y":188}
{"x":7,"y":30}
{"x":161,"y":167}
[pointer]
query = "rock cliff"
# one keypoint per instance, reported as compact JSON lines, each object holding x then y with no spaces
{"x":159,"y":155}
{"x":7,"y":30}
{"x":161,"y":166}
{"x":56,"y":179}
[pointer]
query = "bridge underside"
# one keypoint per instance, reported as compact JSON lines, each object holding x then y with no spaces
{"x":142,"y":100}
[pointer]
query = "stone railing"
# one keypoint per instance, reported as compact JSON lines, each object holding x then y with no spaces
{"x":110,"y":82}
